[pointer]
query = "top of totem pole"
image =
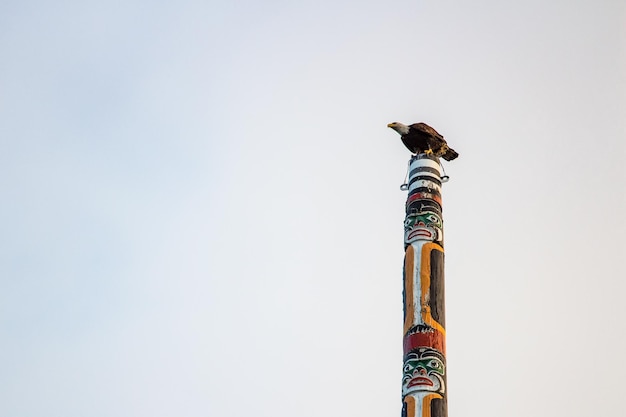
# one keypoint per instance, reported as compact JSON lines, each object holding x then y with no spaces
{"x":424,"y":156}
{"x":423,"y":159}
{"x":423,"y":203}
{"x":424,"y":164}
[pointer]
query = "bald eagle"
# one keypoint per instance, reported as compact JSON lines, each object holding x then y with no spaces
{"x":421,"y":138}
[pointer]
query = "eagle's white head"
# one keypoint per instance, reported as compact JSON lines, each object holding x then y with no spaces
{"x":399,"y":127}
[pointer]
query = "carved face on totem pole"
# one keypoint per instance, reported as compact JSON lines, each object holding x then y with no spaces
{"x":423,"y":225}
{"x":424,"y":371}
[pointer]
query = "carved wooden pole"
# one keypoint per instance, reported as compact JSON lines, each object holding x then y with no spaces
{"x":424,"y":390}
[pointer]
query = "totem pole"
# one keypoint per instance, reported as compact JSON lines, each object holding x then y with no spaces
{"x":424,"y":391}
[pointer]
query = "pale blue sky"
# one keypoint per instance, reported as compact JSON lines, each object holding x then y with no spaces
{"x":201,"y":213}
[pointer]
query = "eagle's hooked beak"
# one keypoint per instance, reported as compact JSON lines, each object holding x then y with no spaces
{"x":390,"y":125}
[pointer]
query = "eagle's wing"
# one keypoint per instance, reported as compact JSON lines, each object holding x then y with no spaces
{"x":424,"y":128}
{"x":410,"y":145}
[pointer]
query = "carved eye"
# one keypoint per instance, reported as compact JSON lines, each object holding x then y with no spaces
{"x":435,"y":364}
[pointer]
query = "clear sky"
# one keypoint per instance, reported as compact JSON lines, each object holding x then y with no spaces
{"x":201,"y":213}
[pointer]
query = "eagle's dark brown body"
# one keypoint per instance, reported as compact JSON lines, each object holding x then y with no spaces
{"x":421,"y":138}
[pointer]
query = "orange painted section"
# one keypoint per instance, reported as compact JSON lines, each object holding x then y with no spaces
{"x":410,"y":406}
{"x":425,"y":286}
{"x":409,"y":266}
{"x":426,"y":404}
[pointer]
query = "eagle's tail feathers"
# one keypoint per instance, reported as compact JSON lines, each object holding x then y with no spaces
{"x":450,"y":154}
